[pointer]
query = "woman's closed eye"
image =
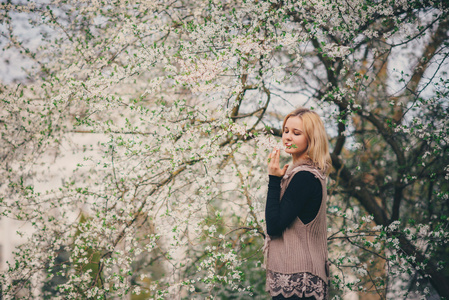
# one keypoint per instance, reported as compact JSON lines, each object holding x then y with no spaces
{"x":295,"y":133}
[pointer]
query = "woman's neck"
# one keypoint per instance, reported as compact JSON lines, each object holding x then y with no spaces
{"x":299,"y":159}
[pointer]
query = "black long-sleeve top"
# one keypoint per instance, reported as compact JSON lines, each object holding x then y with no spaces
{"x":302,"y":199}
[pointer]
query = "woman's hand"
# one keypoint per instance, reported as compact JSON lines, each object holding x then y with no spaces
{"x":273,"y":164}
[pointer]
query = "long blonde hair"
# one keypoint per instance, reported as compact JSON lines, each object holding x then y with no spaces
{"x":318,"y":146}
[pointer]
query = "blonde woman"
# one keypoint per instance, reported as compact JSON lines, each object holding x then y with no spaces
{"x":295,"y":213}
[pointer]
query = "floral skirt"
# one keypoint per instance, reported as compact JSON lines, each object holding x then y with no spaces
{"x":301,"y":284}
{"x":294,"y":297}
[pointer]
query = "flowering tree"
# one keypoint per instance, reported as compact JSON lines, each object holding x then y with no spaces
{"x":163,"y":113}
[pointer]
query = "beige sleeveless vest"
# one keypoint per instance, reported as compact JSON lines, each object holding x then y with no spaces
{"x":302,"y":247}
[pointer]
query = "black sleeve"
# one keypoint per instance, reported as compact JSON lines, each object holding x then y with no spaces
{"x":280,"y":214}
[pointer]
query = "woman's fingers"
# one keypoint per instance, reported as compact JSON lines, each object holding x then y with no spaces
{"x":277,"y":155}
{"x":273,"y":163}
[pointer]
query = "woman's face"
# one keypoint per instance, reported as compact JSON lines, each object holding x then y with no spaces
{"x":294,"y":138}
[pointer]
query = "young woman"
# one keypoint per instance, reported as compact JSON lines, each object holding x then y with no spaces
{"x":295,"y":213}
